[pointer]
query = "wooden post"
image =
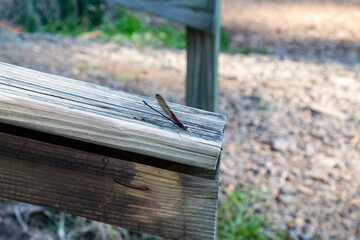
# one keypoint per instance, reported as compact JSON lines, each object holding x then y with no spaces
{"x":103,"y":154}
{"x":202,"y":64}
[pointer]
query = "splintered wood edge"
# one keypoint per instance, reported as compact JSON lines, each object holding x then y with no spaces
{"x":124,"y":134}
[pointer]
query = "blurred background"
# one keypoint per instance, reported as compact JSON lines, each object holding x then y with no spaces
{"x":289,"y":76}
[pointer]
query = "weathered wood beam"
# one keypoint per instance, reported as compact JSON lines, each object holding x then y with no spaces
{"x":195,"y":13}
{"x":107,"y":189}
{"x":103,"y":116}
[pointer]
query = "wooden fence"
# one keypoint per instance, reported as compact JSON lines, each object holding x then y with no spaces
{"x":202,"y":20}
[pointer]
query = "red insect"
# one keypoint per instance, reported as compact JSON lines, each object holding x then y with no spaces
{"x":171,"y":116}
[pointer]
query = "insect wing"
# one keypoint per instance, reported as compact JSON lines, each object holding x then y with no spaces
{"x":165,"y":107}
{"x":168,"y":111}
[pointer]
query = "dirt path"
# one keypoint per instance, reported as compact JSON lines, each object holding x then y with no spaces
{"x":315,"y":30}
{"x":293,"y":118}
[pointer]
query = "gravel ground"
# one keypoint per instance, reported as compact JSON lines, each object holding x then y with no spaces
{"x":293,"y":126}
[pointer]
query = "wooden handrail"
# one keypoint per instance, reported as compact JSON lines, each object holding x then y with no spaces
{"x":96,"y":114}
{"x":103,"y":154}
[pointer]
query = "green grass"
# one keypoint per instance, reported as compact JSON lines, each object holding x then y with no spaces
{"x":123,"y":26}
{"x":67,"y":28}
{"x":264,"y":107}
{"x":248,"y":50}
{"x":75,"y":17}
{"x":238,"y":218}
{"x":131,"y":28}
{"x":63,"y":17}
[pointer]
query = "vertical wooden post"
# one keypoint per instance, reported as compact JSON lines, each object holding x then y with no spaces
{"x":202,"y":63}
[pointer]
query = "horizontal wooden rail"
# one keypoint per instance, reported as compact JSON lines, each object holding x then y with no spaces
{"x":198,"y":14}
{"x":107,"y":189}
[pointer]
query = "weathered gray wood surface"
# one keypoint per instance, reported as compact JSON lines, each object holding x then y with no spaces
{"x":202,"y":65}
{"x":149,"y":199}
{"x":195,"y":13}
{"x":96,"y":114}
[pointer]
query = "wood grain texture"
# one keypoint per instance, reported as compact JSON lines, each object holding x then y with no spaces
{"x":147,"y":199}
{"x":198,"y":14}
{"x":104,"y":116}
{"x":202,"y":65}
